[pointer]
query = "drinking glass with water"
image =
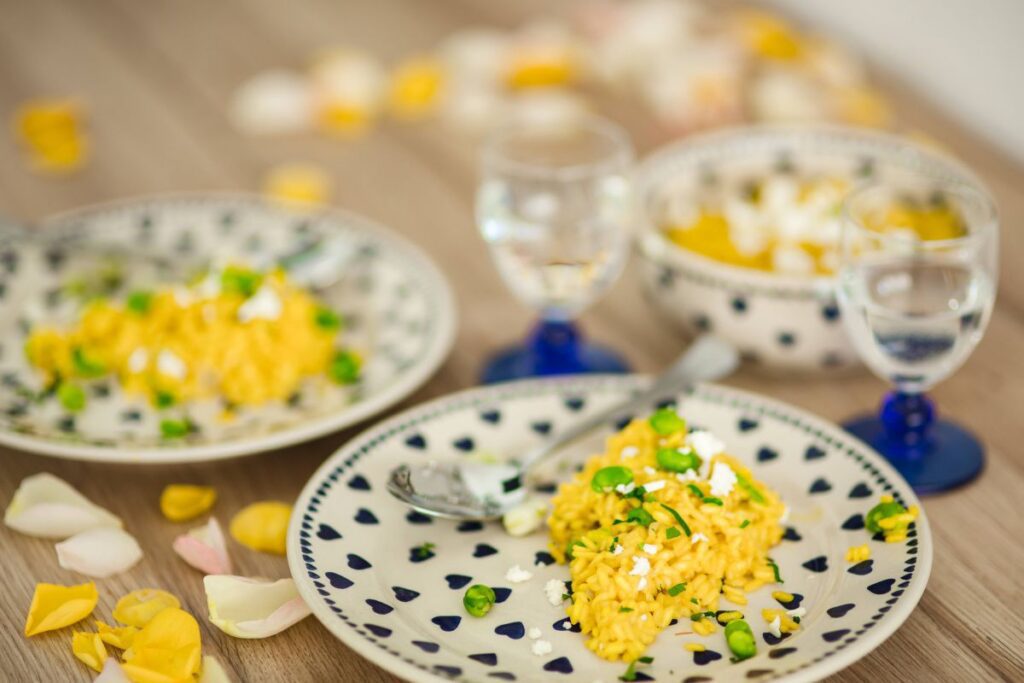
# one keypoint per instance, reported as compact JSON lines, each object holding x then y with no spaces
{"x":916,"y":302}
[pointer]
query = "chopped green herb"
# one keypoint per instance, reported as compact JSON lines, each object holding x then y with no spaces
{"x":712,"y":500}
{"x":796,"y":620}
{"x":163,"y":399}
{"x":677,"y":589}
{"x":630,"y":674}
{"x":740,"y":639}
{"x":752,"y":491}
{"x":678,"y":517}
{"x":607,"y":478}
{"x":478,"y":599}
{"x":694,"y":601}
{"x":84,"y":365}
{"x":745,"y":524}
{"x":673,"y":532}
{"x":139,"y":302}
{"x":695,"y":490}
{"x":675,"y":460}
{"x":645,"y":660}
{"x":700,"y":615}
{"x":345,"y":367}
{"x":666,"y":421}
{"x":640,"y":516}
{"x":565,"y":596}
{"x":623,"y":610}
{"x":71,"y":397}
{"x":175,"y":429}
{"x":241,"y":281}
{"x":775,"y":569}
{"x":572,"y":544}
{"x":424,"y":551}
{"x":326,"y":319}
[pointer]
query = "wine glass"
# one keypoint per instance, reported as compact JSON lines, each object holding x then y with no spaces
{"x":917,"y":283}
{"x":555,"y":207}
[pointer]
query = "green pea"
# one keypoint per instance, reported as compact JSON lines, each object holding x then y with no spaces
{"x":139,"y":302}
{"x":163,"y":399}
{"x":345,"y":367}
{"x":607,"y":478}
{"x":880,"y":512}
{"x":640,"y":516}
{"x":675,"y":460}
{"x":326,"y":319}
{"x":71,"y":397}
{"x":666,"y":421}
{"x":740,"y":639}
{"x":478,"y":599}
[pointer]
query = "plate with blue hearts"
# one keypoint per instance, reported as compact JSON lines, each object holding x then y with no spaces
{"x":389,"y":582}
{"x":397,"y":309}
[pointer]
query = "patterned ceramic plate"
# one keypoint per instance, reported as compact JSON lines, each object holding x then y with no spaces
{"x":397,"y":307}
{"x":389,"y":582}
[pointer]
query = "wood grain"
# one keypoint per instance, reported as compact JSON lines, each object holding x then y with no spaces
{"x":157,"y":77}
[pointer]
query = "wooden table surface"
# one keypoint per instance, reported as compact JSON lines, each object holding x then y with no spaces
{"x":157,"y":77}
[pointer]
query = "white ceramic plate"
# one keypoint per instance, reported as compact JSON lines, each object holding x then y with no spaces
{"x":397,"y":306}
{"x":352,"y":548}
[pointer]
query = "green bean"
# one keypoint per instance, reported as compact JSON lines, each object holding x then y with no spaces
{"x":666,"y":421}
{"x":607,"y":478}
{"x":740,"y":639}
{"x":675,"y":460}
{"x":478,"y":599}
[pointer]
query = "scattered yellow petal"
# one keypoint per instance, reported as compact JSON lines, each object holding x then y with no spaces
{"x":768,"y":36}
{"x":88,"y":648}
{"x":416,"y":87}
{"x":139,"y":607}
{"x":262,"y":526}
{"x":863,"y":106}
{"x":51,"y":131}
{"x":55,"y":607}
{"x":181,"y":502}
{"x":166,"y":650}
{"x":301,"y":184}
{"x":120,"y":637}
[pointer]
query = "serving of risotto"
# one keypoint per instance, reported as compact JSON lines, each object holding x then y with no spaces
{"x":665,"y":526}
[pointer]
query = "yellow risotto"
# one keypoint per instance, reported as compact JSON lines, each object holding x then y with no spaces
{"x":659,"y":527}
{"x":239,"y":335}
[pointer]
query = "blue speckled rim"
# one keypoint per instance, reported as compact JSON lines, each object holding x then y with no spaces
{"x":900,"y":603}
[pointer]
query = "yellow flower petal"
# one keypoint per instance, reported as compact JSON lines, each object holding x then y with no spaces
{"x":120,"y":637}
{"x":167,"y":650}
{"x":301,"y":184}
{"x":55,"y":607}
{"x":415,"y":87}
{"x":181,"y":502}
{"x":139,"y":607}
{"x":88,"y":648}
{"x":262,"y":526}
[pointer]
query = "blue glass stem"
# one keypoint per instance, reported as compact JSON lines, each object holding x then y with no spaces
{"x":907,"y":419}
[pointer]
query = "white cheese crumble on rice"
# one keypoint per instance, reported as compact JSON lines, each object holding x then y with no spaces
{"x":167,"y":363}
{"x":517,"y":574}
{"x":554,"y":589}
{"x":265,"y":304}
{"x":775,"y":627}
{"x":617,"y":550}
{"x":797,"y":612}
{"x":630,"y":452}
{"x":643,"y":617}
{"x":534,"y":633}
{"x":723,"y":480}
{"x":697,"y":538}
{"x":641,"y":566}
{"x":706,"y":444}
{"x":650,"y":548}
{"x":642,"y":583}
{"x":139,"y":359}
{"x":650,"y":470}
{"x":625,"y":488}
{"x":688,"y":475}
{"x":541,"y":648}
{"x":653,"y":486}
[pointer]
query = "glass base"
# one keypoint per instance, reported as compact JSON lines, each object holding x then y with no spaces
{"x":949,"y":457}
{"x":553,"y":348}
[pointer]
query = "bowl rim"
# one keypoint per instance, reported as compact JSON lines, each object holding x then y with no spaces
{"x":653,"y":243}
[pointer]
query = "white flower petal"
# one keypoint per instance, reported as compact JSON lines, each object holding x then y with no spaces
{"x":253,"y":608}
{"x":99,"y":552}
{"x":213,"y":672}
{"x":112,"y":672}
{"x":204,"y":548}
{"x":48,"y":507}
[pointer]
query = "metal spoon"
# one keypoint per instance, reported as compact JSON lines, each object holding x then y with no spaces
{"x":443,"y":489}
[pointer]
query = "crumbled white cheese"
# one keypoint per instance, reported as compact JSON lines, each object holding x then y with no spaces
{"x":182,"y":296}
{"x":265,"y":304}
{"x":775,"y":627}
{"x":167,"y":363}
{"x":625,"y":488}
{"x":650,"y":470}
{"x":642,"y":583}
{"x":524,"y":518}
{"x":617,"y":550}
{"x":641,"y":566}
{"x":688,"y":475}
{"x":655,"y":485}
{"x":554,"y":589}
{"x":541,"y":648}
{"x":534,"y":633}
{"x":517,"y":574}
{"x":792,"y":259}
{"x":650,"y":548}
{"x":723,"y":480}
{"x":643,"y":617}
{"x":706,"y":444}
{"x":139,"y":359}
{"x":797,"y":612}
{"x":697,"y":538}
{"x":785,"y":514}
{"x":629,"y":452}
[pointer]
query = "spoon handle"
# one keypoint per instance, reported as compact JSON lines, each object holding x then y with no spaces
{"x":708,"y":358}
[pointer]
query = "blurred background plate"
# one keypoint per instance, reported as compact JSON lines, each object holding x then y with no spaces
{"x":398,"y":311}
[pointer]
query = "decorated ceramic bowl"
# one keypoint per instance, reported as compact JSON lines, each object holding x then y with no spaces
{"x":780,"y":321}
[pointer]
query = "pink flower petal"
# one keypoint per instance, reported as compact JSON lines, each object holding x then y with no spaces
{"x":204,"y":548}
